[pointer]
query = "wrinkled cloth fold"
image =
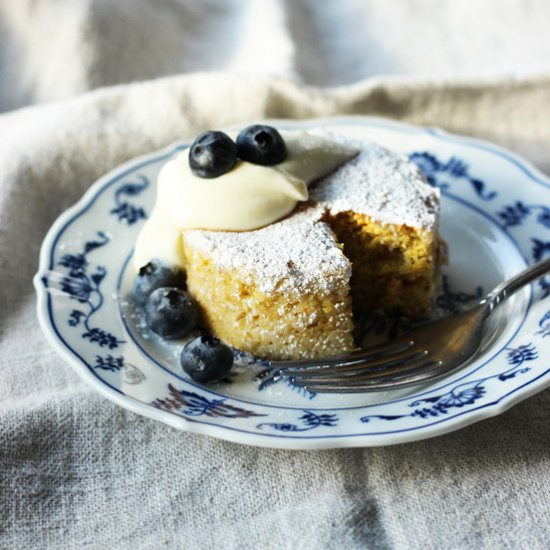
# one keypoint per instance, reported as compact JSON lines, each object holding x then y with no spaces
{"x":78,"y":471}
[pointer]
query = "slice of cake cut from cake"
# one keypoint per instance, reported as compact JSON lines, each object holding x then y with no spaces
{"x":281,"y":291}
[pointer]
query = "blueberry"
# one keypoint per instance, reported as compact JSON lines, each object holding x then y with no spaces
{"x":155,"y":275}
{"x":206,"y":359}
{"x":261,"y":144}
{"x":212,"y":154}
{"x":171,"y":312}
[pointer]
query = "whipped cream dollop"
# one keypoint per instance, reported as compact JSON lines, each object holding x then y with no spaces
{"x":247,"y":197}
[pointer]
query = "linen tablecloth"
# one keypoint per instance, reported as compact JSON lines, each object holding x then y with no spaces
{"x":78,"y":471}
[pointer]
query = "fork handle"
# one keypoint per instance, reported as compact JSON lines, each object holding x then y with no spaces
{"x":511,"y":286}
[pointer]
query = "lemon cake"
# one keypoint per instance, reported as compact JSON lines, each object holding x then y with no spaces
{"x":363,"y":237}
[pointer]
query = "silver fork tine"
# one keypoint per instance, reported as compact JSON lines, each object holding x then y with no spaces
{"x":354,"y":357}
{"x":395,"y":373}
{"x":364,"y":365}
{"x":428,"y":371}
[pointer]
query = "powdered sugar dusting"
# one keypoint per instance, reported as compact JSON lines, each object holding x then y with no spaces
{"x":286,"y":256}
{"x":383,"y":185}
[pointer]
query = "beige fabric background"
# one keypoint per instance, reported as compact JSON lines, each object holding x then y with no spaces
{"x":78,"y":471}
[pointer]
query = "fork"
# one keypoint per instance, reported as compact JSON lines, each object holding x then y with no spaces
{"x":428,"y":351}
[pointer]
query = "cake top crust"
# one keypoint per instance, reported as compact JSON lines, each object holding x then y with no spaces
{"x":383,"y":185}
{"x":285,"y":256}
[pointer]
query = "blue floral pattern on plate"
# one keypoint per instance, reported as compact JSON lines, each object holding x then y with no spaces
{"x":188,"y":404}
{"x":440,"y":173}
{"x":84,"y":287}
{"x":308,"y":421}
{"x":124,"y":209}
{"x":466,"y":393}
{"x":495,"y":219}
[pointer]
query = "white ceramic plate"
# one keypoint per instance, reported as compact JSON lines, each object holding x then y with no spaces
{"x":495,"y":218}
